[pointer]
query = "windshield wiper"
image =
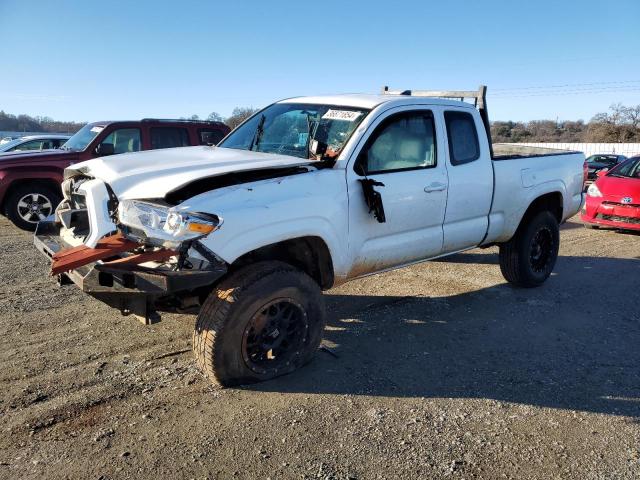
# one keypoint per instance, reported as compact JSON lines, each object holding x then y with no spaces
{"x":312,"y":126}
{"x":258,"y":135}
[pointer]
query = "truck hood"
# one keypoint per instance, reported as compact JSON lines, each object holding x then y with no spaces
{"x":155,"y":173}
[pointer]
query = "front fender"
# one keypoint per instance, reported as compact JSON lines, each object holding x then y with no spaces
{"x":12,"y":176}
{"x":271,"y":211}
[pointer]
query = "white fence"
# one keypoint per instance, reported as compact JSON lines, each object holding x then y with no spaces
{"x":626,"y":149}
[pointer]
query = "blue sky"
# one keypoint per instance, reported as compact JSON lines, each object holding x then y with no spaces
{"x":87,"y":60}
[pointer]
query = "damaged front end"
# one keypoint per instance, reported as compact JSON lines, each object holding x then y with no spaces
{"x":141,"y":257}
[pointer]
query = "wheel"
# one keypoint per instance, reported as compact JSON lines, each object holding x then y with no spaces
{"x":28,"y":204}
{"x":528,"y":258}
{"x":262,"y":321}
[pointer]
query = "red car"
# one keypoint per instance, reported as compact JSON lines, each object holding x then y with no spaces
{"x":614,"y":199}
{"x":30,"y":180}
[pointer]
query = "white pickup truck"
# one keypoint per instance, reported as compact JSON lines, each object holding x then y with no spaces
{"x":314,"y":192}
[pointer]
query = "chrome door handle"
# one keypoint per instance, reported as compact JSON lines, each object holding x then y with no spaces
{"x":435,"y":187}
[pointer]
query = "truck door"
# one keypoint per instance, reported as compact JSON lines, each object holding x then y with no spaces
{"x":401,"y":152}
{"x":470,"y":175}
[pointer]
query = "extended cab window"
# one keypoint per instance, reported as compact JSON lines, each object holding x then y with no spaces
{"x":210,"y":137}
{"x":124,"y":140}
{"x":463,"y":137}
{"x":402,"y":142}
{"x":169,"y":137}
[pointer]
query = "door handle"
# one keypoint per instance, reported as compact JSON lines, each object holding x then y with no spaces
{"x":435,"y":187}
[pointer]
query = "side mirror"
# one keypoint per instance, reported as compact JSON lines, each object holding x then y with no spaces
{"x":105,"y":149}
{"x":602,"y":173}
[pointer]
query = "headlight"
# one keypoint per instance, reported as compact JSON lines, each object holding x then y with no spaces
{"x":164,"y":226}
{"x":593,"y":191}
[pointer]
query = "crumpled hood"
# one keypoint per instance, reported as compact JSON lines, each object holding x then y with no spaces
{"x":154,"y":173}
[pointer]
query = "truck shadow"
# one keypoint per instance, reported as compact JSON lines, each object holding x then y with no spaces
{"x":573,"y":343}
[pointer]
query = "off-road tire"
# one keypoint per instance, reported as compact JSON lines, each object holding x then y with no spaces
{"x":516,"y":257}
{"x":11,"y":207}
{"x":218,"y":336}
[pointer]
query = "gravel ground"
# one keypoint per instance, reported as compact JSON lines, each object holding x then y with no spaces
{"x":440,"y":370}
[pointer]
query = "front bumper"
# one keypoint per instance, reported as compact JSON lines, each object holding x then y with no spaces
{"x":608,"y":213}
{"x":139,"y":290}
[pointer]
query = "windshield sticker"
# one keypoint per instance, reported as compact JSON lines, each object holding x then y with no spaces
{"x":344,"y":115}
{"x":97,"y":129}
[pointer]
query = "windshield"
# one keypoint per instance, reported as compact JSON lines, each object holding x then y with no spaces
{"x":6,"y":140}
{"x":4,"y":147}
{"x":602,"y":159}
{"x":628,"y":169}
{"x":316,"y":132}
{"x":82,"y":138}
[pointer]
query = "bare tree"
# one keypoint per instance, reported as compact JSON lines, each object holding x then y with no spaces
{"x":239,"y":115}
{"x":215,"y":117}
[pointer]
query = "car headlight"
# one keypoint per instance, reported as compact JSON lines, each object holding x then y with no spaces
{"x":164,"y":226}
{"x":593,"y":191}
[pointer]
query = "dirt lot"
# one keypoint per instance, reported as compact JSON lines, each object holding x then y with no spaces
{"x":438,"y":370}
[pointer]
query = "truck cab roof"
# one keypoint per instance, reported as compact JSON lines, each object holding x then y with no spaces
{"x":371,"y":101}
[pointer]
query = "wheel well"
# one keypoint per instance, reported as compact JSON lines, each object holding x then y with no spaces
{"x":551,"y":202}
{"x":309,"y":254}
{"x":35,"y":181}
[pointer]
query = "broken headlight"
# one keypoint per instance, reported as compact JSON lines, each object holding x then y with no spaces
{"x":164,"y":226}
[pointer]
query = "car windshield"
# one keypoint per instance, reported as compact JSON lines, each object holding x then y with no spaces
{"x":602,"y":159}
{"x":628,"y":169}
{"x":316,"y":132}
{"x":82,"y":138}
{"x":10,"y":144}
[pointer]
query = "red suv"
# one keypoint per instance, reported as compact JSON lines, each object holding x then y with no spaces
{"x":30,"y":181}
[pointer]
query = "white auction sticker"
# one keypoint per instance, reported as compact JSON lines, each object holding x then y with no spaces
{"x":97,"y":129}
{"x":345,"y":115}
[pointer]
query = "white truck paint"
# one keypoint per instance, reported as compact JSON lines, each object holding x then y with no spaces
{"x":430,"y":212}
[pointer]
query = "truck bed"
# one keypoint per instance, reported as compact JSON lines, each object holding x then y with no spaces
{"x":532,"y":171}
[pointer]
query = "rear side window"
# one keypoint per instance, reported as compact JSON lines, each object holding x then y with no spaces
{"x":33,"y":145}
{"x":210,"y":137}
{"x":169,"y":137}
{"x":463,"y":137}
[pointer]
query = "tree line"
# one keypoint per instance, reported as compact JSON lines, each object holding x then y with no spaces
{"x":25,"y":123}
{"x":621,"y":124}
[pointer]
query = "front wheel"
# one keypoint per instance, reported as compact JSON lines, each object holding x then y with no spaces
{"x":528,"y":258}
{"x":262,"y":321}
{"x":30,"y":203}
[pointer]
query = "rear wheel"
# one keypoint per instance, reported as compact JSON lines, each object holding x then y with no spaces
{"x":30,"y":203}
{"x":263,"y":321}
{"x":528,"y":258}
